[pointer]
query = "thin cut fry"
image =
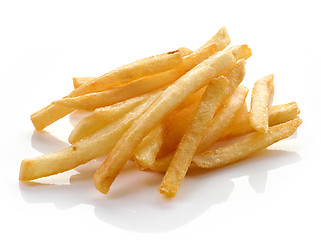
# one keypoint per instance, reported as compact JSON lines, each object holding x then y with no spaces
{"x":167,"y":102}
{"x":221,"y":39}
{"x":81,"y":152}
{"x":261,"y":93}
{"x":103,"y":116}
{"x":187,"y":147}
{"x":251,"y":144}
{"x":277,"y":114}
{"x":223,"y":119}
{"x":146,"y":152}
{"x":147,"y":84}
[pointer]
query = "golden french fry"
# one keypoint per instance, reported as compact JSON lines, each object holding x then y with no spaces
{"x":221,"y":39}
{"x":142,"y":86}
{"x":146,"y":152}
{"x":96,"y":145}
{"x":223,"y":119}
{"x":103,"y":116}
{"x":166,"y":102}
{"x":251,"y":144}
{"x":78,"y":81}
{"x":127,"y":73}
{"x":187,"y":147}
{"x":261,"y":93}
{"x":277,"y":114}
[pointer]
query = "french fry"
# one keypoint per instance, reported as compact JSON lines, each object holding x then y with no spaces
{"x":81,"y":152}
{"x":221,"y":39}
{"x":187,"y":147}
{"x":241,"y":51}
{"x":277,"y":114}
{"x":223,"y":119}
{"x":78,"y":81}
{"x":167,"y":102}
{"x":250,"y":145}
{"x":261,"y":93}
{"x":146,"y":152}
{"x":147,"y":84}
{"x":103,"y":116}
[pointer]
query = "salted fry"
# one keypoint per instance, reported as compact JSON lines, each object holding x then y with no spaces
{"x":277,"y":114}
{"x":167,"y":102}
{"x":103,"y":116}
{"x":146,"y":152}
{"x":223,"y":118}
{"x":78,"y":81}
{"x":187,"y":147}
{"x":241,"y":51}
{"x":251,"y":144}
{"x":261,"y":93}
{"x":81,"y":152}
{"x":147,"y":84}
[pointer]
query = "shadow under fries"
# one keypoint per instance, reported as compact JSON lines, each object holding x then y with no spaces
{"x":44,"y":142}
{"x":134,"y":203}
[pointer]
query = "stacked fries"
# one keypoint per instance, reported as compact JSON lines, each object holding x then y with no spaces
{"x":166,"y":113}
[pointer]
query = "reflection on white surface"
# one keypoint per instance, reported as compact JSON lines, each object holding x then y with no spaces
{"x":134,"y":203}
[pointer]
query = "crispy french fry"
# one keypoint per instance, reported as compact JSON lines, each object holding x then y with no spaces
{"x":187,"y":147}
{"x":223,"y":119}
{"x":251,"y":144}
{"x":78,"y":81}
{"x":146,"y":152}
{"x":167,"y":102}
{"x":81,"y":152}
{"x":221,"y":39}
{"x":277,"y":114}
{"x":261,"y":93}
{"x":144,"y":85}
{"x":103,"y":116}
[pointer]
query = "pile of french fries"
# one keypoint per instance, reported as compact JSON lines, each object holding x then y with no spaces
{"x":166,"y":113}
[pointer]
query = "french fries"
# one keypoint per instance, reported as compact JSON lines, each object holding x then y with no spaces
{"x":166,"y":112}
{"x":277,"y":114}
{"x":167,"y":101}
{"x":115,"y":78}
{"x":136,"y":88}
{"x":249,"y":145}
{"x":80,"y":152}
{"x":205,"y":110}
{"x":261,"y":94}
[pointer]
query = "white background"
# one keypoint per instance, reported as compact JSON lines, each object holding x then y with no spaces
{"x":272,"y":195}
